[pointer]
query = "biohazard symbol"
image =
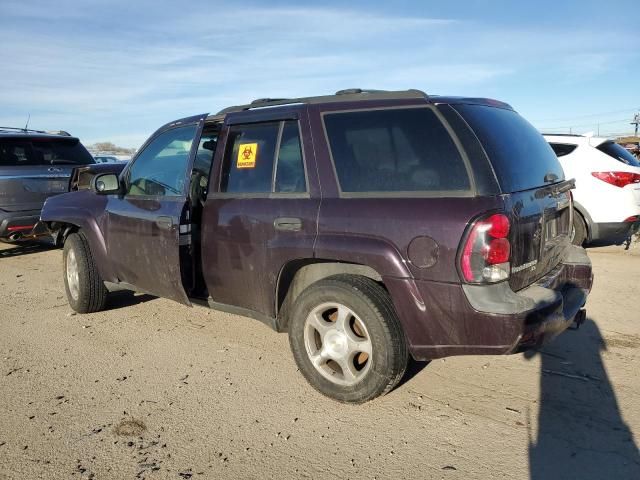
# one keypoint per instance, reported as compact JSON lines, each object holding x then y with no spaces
{"x":247,"y":154}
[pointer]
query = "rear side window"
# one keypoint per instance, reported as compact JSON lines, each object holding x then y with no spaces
{"x":34,"y":152}
{"x":619,"y":153}
{"x":394,"y":150}
{"x":562,"y":149}
{"x":263,"y":158}
{"x":520,"y":156}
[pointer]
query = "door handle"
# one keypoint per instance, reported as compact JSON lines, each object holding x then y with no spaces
{"x":164,"y":222}
{"x":288,"y":224}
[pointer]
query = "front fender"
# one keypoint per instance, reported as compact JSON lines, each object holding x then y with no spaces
{"x":85,"y":210}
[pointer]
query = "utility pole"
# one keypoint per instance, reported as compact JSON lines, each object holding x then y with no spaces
{"x":636,"y":122}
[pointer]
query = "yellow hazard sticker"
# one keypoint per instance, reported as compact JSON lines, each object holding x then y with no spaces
{"x":247,"y":153}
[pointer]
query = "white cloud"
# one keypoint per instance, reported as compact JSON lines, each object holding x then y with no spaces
{"x":105,"y":80}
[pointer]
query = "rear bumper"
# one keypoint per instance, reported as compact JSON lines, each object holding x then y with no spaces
{"x":11,"y":222}
{"x":612,"y":233}
{"x":441,"y":320}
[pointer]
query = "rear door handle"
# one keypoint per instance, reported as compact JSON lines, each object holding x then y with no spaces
{"x":164,"y":222}
{"x":288,"y":224}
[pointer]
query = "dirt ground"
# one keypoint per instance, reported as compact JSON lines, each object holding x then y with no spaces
{"x":151,"y":389}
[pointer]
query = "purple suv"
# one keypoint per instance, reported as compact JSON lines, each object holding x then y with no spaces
{"x":369,"y":225}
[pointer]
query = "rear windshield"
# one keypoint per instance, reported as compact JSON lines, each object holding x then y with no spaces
{"x":520,"y":156}
{"x":619,"y":153}
{"x":394,"y":150}
{"x":34,"y":152}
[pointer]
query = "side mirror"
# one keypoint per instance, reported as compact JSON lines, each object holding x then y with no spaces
{"x":106,"y":184}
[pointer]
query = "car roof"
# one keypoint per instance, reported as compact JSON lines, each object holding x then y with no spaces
{"x":358,"y":94}
{"x":12,"y":132}
{"x":575,"y":139}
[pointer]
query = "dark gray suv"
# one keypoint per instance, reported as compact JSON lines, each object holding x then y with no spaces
{"x":34,"y":165}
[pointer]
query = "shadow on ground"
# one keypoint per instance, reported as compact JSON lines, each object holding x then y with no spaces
{"x":581,"y":433}
{"x":24,"y":248}
{"x":126,"y":298}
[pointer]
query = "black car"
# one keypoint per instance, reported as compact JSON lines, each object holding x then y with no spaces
{"x":34,"y":165}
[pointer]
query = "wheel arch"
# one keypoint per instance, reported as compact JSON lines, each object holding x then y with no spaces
{"x":297,"y":275}
{"x":588,"y":221}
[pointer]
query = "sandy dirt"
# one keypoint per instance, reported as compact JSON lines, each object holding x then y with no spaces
{"x":152,"y":389}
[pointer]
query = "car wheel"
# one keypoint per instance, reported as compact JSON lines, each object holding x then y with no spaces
{"x":85,"y":288}
{"x":579,"y":231}
{"x":346,"y":338}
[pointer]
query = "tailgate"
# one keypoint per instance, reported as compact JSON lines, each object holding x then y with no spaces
{"x":540,"y":233}
{"x":26,"y":188}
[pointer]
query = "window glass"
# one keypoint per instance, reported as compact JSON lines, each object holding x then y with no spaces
{"x":160,"y":169}
{"x":562,"y":149}
{"x":248,"y":160}
{"x":394,"y":150}
{"x":17,"y":152}
{"x":290,"y":166}
{"x":202,"y":163}
{"x":520,"y":156}
{"x":619,"y":153}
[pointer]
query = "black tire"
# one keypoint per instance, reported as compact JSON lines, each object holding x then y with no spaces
{"x":89,"y":293}
{"x":579,"y":229}
{"x":372,"y":306}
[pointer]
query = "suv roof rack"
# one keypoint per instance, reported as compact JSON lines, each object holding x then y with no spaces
{"x":29,"y":130}
{"x":339,"y":96}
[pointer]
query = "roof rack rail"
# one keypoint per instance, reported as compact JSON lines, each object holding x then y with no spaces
{"x":16,"y":129}
{"x":339,"y":96}
{"x":29,"y":130}
{"x":268,"y":100}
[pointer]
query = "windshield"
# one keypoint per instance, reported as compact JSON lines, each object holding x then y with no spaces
{"x":521,"y":158}
{"x":16,"y":152}
{"x":619,"y":153}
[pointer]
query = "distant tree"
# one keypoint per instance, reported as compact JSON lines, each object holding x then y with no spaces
{"x":110,"y":147}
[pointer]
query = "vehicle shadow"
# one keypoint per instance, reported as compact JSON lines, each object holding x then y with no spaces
{"x":581,"y":432}
{"x":126,"y":298}
{"x":24,"y":248}
{"x":414,"y":367}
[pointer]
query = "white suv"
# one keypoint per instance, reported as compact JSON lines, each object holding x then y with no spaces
{"x":607,"y":193}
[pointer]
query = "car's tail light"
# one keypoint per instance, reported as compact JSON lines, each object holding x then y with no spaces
{"x":619,"y":179}
{"x":635,"y":218}
{"x":486,"y":252}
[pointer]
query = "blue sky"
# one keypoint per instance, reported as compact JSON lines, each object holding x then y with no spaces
{"x":117,"y":70}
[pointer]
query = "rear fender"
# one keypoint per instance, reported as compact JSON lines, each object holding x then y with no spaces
{"x":84,"y":210}
{"x":373,"y":252}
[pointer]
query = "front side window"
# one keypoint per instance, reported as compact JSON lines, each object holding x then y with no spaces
{"x":161,"y":168}
{"x":394,"y":150}
{"x":263,"y":158}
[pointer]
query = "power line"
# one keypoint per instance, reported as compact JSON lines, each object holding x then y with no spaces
{"x":592,"y":124}
{"x":591,"y":115}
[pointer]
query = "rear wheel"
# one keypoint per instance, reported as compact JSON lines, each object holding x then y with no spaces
{"x":347,"y":340}
{"x":579,"y":233}
{"x":85,"y":288}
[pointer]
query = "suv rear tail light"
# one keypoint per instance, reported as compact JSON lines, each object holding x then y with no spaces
{"x":486,"y":252}
{"x":619,"y":179}
{"x":635,"y":218}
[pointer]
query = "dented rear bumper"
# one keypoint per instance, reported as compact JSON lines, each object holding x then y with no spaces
{"x":451,"y":319}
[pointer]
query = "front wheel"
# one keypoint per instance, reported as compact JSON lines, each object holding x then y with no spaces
{"x":347,"y":340}
{"x":85,"y":288}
